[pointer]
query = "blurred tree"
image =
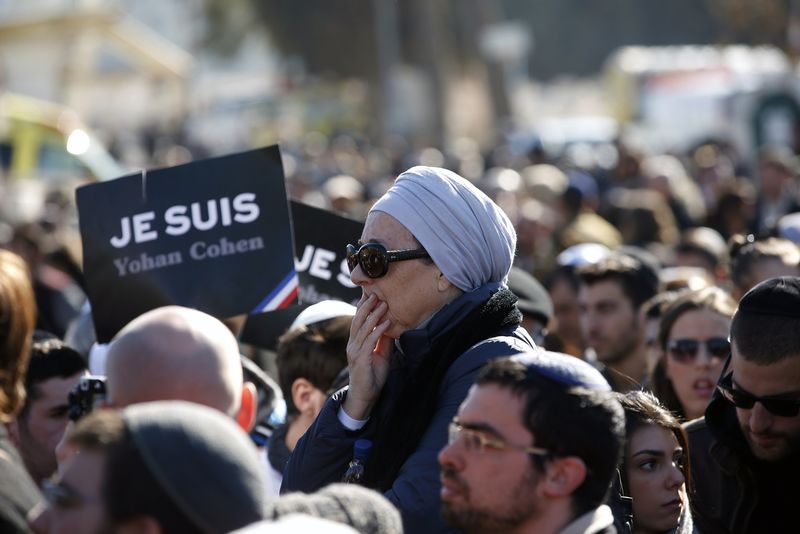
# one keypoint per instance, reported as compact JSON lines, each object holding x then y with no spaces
{"x":746,"y":21}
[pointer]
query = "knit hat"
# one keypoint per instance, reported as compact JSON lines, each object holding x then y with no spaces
{"x":361,"y":508}
{"x":202,"y":460}
{"x":776,"y":296}
{"x":563,"y":368}
{"x":466,"y":234}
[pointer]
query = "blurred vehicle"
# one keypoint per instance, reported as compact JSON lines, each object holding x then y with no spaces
{"x":672,"y":97}
{"x":46,"y":141}
{"x":584,"y":141}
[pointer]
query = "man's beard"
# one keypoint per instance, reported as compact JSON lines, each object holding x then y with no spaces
{"x":620,"y":353}
{"x":472,"y":517}
{"x":789,"y":446}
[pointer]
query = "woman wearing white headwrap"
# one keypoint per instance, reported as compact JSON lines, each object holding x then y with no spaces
{"x":432,"y":263}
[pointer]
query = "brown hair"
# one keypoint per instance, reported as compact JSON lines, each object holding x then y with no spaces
{"x":644,"y":409}
{"x":316,"y":352}
{"x":747,"y":251}
{"x":17,"y":321}
{"x":708,"y":298}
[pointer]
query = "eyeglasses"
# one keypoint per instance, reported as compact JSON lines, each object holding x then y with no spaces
{"x":782,"y":406}
{"x":685,"y":350}
{"x":374,"y":259}
{"x":64,"y":497}
{"x":476,"y":440}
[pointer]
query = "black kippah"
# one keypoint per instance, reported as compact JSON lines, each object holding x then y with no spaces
{"x":776,"y":296}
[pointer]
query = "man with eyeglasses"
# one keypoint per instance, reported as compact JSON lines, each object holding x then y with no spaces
{"x":745,"y":452}
{"x":533,"y":448}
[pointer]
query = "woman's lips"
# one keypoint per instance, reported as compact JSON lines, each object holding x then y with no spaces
{"x":703,"y":387}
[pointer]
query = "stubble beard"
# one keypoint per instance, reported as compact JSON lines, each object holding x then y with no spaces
{"x":478,"y":520}
{"x":789,"y":446}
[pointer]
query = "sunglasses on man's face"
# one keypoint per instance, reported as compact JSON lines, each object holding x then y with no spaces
{"x":374,"y":259}
{"x":782,"y":406}
{"x":685,"y":350}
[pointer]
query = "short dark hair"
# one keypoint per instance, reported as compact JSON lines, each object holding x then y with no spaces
{"x":639,"y":281}
{"x":746,"y":252}
{"x":317,"y":352}
{"x":50,"y":358}
{"x":765,"y":339}
{"x":644,"y":409}
{"x":567,"y":421}
{"x":129,"y":489}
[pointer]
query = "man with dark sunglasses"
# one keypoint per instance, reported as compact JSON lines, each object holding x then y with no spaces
{"x":746,"y":450}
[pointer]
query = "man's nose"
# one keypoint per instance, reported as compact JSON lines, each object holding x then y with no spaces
{"x":760,"y":419}
{"x":450,"y":457}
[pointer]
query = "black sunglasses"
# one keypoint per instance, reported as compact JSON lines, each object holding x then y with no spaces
{"x":740,"y":398}
{"x":374,"y":259}
{"x":685,"y":350}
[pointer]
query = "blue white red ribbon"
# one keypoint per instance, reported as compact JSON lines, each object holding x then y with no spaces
{"x":280,"y":297}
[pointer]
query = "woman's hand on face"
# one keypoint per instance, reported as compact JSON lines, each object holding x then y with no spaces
{"x":368,"y":351}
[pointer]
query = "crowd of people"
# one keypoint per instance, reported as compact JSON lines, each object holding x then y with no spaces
{"x":538,"y":348}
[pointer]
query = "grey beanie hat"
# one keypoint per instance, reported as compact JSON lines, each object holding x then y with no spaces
{"x":363,"y":509}
{"x":202,"y":460}
{"x":470,"y":239}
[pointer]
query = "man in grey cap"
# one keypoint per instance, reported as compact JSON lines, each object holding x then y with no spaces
{"x":533,"y":448}
{"x":168,"y":466}
{"x":534,"y":303}
{"x":748,"y":443}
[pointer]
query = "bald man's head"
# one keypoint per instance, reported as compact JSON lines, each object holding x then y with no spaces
{"x":175,"y":353}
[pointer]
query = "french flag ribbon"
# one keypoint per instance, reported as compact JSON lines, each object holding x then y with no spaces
{"x":280,"y":297}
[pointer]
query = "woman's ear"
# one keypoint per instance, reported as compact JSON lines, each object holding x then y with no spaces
{"x":442,"y":283}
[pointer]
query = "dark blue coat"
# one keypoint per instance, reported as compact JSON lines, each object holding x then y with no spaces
{"x":322,"y":454}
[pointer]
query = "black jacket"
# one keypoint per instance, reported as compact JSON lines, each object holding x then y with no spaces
{"x":733,"y":491}
{"x":322,"y":454}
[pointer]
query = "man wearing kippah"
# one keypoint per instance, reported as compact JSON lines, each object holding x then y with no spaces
{"x":167,"y":466}
{"x":533,"y":448}
{"x":745,"y":452}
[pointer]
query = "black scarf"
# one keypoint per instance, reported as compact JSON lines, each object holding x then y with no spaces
{"x":411,"y":410}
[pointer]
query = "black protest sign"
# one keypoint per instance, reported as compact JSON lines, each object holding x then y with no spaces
{"x":213,"y":235}
{"x":320,"y":239}
{"x":263,"y":329}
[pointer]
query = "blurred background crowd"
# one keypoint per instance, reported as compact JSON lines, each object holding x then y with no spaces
{"x":673,"y":128}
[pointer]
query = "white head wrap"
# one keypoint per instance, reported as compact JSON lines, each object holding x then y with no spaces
{"x":466,"y":234}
